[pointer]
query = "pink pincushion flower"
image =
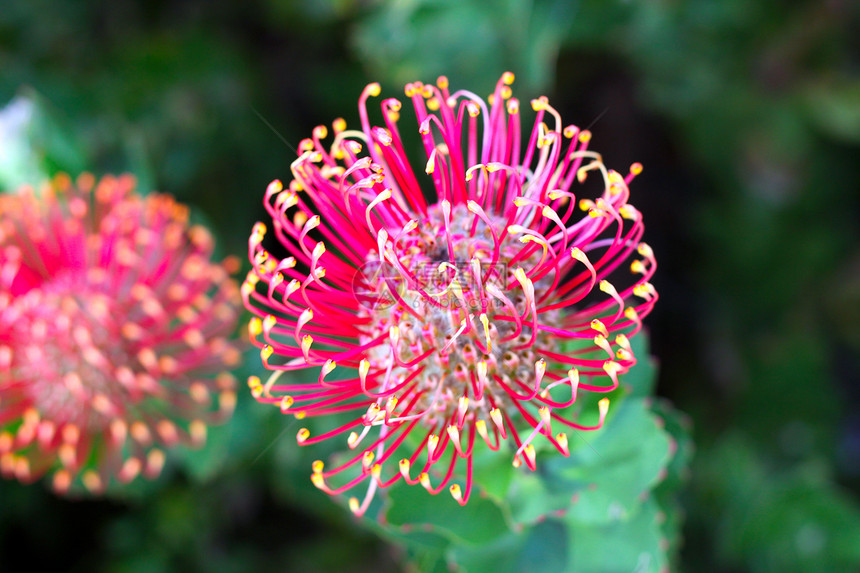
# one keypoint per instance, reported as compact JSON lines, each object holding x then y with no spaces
{"x":114,"y":332}
{"x":446,"y":318}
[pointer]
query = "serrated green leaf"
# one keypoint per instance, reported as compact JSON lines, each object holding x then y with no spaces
{"x":607,"y":478}
{"x":678,"y":426}
{"x":642,"y":378}
{"x":480,"y":521}
{"x":633,"y":545}
{"x":539,"y":548}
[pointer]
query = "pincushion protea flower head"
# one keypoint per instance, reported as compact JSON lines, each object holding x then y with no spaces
{"x":447,"y":318}
{"x":114,"y":332}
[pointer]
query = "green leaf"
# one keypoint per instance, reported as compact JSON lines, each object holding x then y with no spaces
{"x":480,"y":521}
{"x":34,"y":143}
{"x":492,"y":471}
{"x":835,"y":107}
{"x":678,"y":425}
{"x":469,"y":40}
{"x":606,"y":479}
{"x":633,"y":545}
{"x":642,"y":378}
{"x":542,"y":547}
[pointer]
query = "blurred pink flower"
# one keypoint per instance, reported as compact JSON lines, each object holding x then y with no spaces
{"x":445,"y":313}
{"x":115,"y":332}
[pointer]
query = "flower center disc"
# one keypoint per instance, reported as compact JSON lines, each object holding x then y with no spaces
{"x":436,"y":304}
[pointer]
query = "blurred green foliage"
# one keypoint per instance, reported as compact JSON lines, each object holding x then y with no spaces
{"x":747,"y":118}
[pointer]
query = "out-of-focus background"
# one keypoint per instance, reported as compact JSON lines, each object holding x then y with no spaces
{"x":745,"y":114}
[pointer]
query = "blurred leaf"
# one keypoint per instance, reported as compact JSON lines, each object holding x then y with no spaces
{"x":34,"y":143}
{"x":464,"y":40}
{"x":772,"y":519}
{"x":835,"y":107}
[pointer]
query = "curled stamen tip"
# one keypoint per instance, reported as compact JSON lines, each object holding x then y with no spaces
{"x":154,"y":463}
{"x":645,"y":250}
{"x":432,"y":442}
{"x":303,"y":435}
{"x":603,"y":408}
{"x":508,"y":78}
{"x":636,"y":168}
{"x":92,"y":481}
{"x":367,"y":459}
{"x":597,"y":325}
{"x":259,"y":229}
{"x":577,"y":254}
{"x":607,"y":287}
{"x":319,"y":250}
{"x":373,"y":89}
{"x":269,"y":322}
{"x":198,"y":431}
{"x":563,"y":447}
{"x":307,"y":340}
{"x":328,"y":367}
{"x":545,"y":415}
{"x":530,"y":454}
{"x":318,"y":480}
{"x":62,"y":481}
{"x":431,"y":162}
{"x":454,"y":434}
{"x":286,"y":403}
{"x":404,"y":468}
{"x":456,"y":493}
{"x":352,"y":440}
{"x":274,"y":187}
{"x":266,"y":352}
{"x":611,"y":367}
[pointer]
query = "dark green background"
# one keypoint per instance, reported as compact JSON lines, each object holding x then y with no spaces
{"x":746,"y":115}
